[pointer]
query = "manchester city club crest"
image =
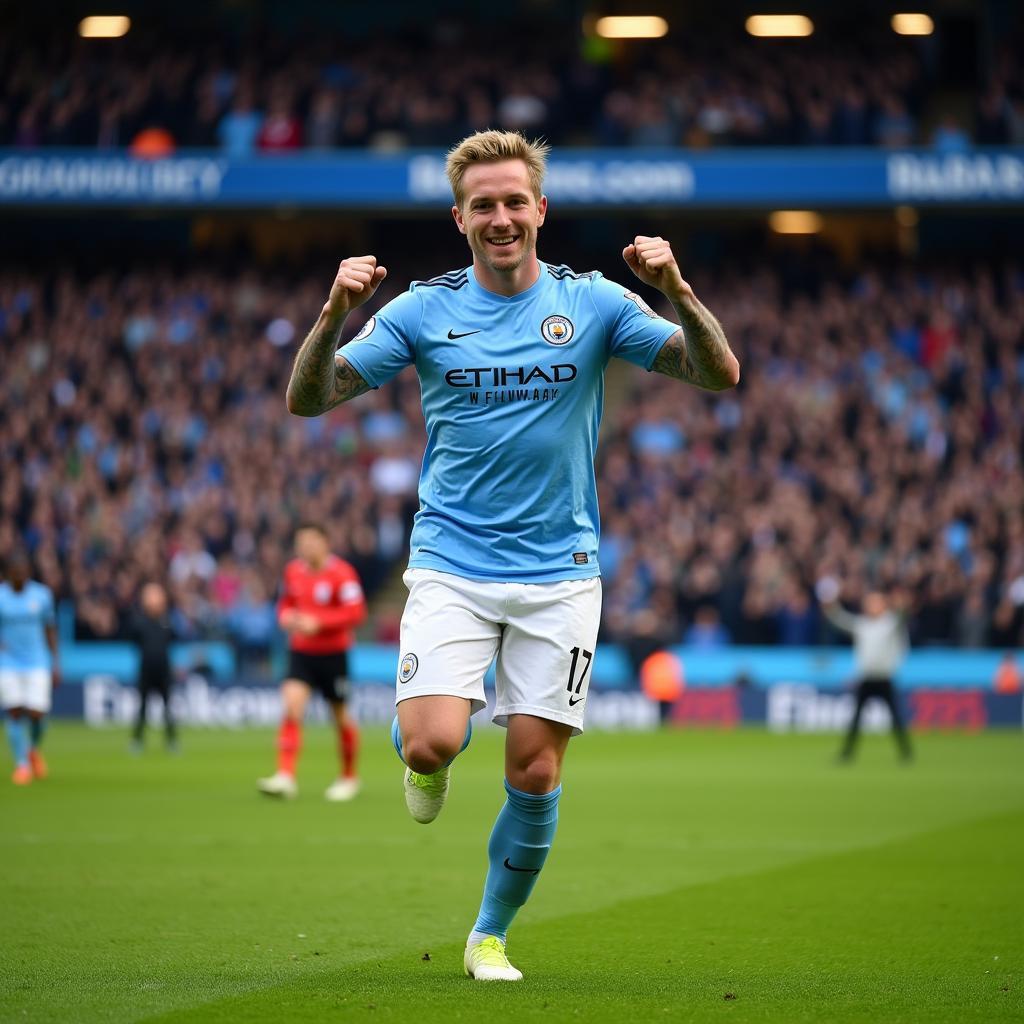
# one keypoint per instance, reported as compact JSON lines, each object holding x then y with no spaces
{"x":407,"y":668}
{"x":557,"y":330}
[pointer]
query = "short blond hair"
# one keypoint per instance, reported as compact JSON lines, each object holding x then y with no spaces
{"x":491,"y":147}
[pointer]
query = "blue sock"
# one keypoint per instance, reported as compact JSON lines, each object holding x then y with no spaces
{"x":17,"y":736}
{"x":396,"y":739}
{"x":36,"y":728}
{"x":517,"y":850}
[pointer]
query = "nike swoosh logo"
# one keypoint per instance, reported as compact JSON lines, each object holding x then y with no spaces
{"x":529,"y":871}
{"x":573,"y":703}
{"x":465,"y":334}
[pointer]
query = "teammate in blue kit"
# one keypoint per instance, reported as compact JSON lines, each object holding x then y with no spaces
{"x":29,"y":667}
{"x":511,"y":354}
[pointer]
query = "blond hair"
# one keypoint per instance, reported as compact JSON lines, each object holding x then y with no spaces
{"x":491,"y":147}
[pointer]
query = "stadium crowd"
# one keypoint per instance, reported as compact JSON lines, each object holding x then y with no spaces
{"x":146,"y":429}
{"x":876,"y":437}
{"x":400,"y":89}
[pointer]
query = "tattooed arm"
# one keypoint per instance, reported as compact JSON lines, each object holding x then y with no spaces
{"x":699,"y":353}
{"x":322,"y":379}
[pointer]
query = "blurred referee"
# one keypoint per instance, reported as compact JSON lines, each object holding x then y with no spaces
{"x":880,"y":645}
{"x":320,"y":607}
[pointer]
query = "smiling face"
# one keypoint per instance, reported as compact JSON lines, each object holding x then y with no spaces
{"x":500,"y":217}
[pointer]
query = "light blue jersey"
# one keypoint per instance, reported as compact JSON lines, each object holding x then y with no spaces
{"x":24,"y":616}
{"x":512,"y":391}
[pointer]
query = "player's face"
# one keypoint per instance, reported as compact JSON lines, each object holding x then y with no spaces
{"x":154,"y":600}
{"x":17,"y":572}
{"x":500,"y":215}
{"x":311,"y":546}
{"x":874,"y":604}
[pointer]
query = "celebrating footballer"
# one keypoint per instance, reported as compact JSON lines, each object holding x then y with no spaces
{"x":511,"y":354}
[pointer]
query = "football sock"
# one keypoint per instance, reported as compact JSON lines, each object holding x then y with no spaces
{"x":17,"y":736}
{"x":37,"y":727}
{"x":517,"y":850}
{"x":289,"y":743}
{"x":348,"y":748}
{"x":396,"y":739}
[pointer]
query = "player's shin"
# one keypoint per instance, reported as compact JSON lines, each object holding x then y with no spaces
{"x":17,"y":737}
{"x":518,"y":847}
{"x":348,"y":749}
{"x":37,"y":728}
{"x":289,"y":744}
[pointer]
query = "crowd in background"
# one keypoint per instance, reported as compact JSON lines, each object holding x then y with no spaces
{"x":429,"y":89}
{"x":876,"y":437}
{"x":145,"y":437}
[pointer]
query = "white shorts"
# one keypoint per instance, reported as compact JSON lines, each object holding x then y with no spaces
{"x":26,"y":688}
{"x":543,"y":634}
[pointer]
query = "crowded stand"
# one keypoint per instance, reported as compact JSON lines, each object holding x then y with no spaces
{"x":875,"y":438}
{"x":425,"y":88}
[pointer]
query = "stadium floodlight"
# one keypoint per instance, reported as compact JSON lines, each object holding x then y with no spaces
{"x":795,"y":222}
{"x":912,"y":24}
{"x":779,"y":25}
{"x":104,"y":26}
{"x":640,"y":26}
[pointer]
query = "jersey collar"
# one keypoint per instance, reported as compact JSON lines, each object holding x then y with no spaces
{"x":522,"y":296}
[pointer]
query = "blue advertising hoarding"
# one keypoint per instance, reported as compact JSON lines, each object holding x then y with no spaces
{"x":753,"y":178}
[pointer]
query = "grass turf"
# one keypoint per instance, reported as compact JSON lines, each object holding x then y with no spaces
{"x":696,"y":876}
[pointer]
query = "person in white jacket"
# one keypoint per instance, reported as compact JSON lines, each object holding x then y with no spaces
{"x":880,"y":644}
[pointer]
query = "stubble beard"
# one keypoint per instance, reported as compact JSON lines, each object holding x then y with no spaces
{"x":504,"y":268}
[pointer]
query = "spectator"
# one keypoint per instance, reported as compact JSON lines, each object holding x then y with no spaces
{"x":150,"y":630}
{"x":239,"y":128}
{"x":707,"y":632}
{"x":392,"y":91}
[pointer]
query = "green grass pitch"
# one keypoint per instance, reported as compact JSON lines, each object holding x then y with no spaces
{"x":696,"y":876}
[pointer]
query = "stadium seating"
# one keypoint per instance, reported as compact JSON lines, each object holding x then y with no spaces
{"x":875,"y":437}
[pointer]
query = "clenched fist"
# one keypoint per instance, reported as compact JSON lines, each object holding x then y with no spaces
{"x":357,"y":279}
{"x":652,"y":261}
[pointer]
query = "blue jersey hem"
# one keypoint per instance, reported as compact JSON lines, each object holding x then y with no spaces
{"x":479,"y":575}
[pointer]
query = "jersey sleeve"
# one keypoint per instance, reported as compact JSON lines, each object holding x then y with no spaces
{"x":351,"y":608}
{"x":386,"y":344}
{"x":634,"y":331}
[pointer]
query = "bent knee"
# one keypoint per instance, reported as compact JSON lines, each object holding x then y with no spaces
{"x":427,"y":755}
{"x":539,"y":775}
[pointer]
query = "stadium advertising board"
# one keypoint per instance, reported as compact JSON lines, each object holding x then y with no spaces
{"x":788,"y":707}
{"x":609,"y":178}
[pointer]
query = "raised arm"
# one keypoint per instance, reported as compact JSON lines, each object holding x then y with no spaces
{"x":699,"y":353}
{"x":320,"y":378}
{"x":840,"y":617}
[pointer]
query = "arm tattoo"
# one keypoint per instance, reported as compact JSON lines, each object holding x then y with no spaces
{"x":348,"y":383}
{"x":699,"y":353}
{"x":320,"y":378}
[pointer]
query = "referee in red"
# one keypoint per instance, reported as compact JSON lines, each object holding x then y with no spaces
{"x":320,"y":607}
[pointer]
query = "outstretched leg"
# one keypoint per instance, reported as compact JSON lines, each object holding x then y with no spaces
{"x":520,"y":841}
{"x":346,"y":785}
{"x":16,"y":727}
{"x":852,"y":734}
{"x":36,"y":731}
{"x":294,"y":698}
{"x":899,"y":730}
